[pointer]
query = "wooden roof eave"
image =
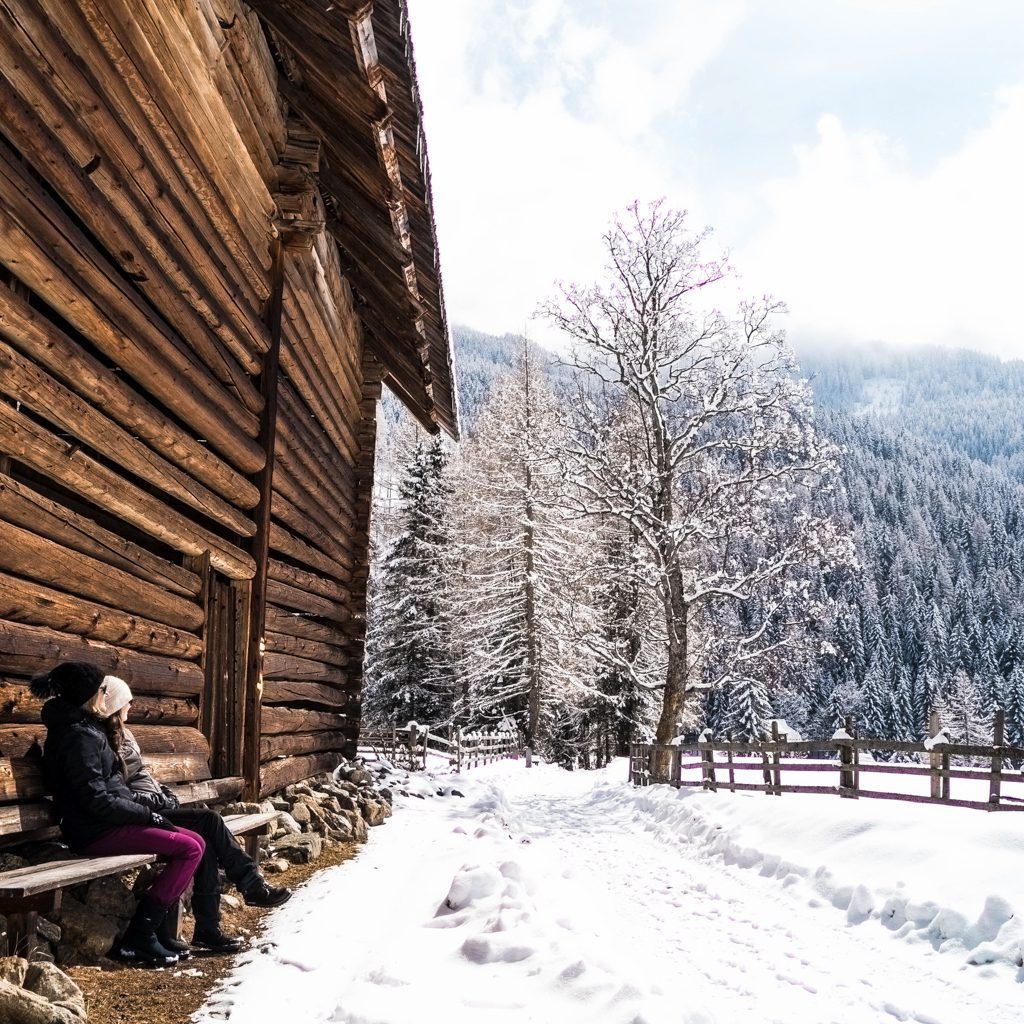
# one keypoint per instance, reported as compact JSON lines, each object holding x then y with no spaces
{"x":375,"y":181}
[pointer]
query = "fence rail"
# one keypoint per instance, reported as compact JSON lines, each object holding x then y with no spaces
{"x":411,"y":747}
{"x":715,"y":764}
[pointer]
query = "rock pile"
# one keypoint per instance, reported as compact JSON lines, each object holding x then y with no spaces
{"x":38,"y":993}
{"x":338,"y":807}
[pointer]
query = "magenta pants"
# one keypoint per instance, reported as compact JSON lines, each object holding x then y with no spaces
{"x":183,"y":850}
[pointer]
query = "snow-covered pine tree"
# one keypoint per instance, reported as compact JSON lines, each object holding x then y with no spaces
{"x":410,"y":667}
{"x":750,"y":708}
{"x":523,"y":592}
{"x":1013,"y":707}
{"x":962,"y":712}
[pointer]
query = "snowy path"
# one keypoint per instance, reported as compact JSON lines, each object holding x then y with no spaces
{"x":574,"y":902}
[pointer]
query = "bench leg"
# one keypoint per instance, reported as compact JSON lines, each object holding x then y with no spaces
{"x":23,"y":921}
{"x":174,"y":917}
{"x":252,"y":845}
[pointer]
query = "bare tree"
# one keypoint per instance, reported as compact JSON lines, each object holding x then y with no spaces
{"x":693,"y":429}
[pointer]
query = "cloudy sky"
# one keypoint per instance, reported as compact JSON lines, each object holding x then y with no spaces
{"x":861,"y":159}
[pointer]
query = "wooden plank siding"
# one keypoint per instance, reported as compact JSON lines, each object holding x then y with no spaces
{"x":216,"y":245}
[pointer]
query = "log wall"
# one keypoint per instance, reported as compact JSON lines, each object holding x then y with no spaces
{"x":150,"y":161}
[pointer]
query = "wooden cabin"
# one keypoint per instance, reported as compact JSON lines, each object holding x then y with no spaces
{"x":216,"y":245}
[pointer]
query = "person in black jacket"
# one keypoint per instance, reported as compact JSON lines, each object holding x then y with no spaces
{"x":222,"y":849}
{"x":97,"y":813}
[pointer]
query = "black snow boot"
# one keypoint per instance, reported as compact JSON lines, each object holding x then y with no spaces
{"x":207,"y":934}
{"x":166,"y":935}
{"x":139,"y":944}
{"x":263,"y":895}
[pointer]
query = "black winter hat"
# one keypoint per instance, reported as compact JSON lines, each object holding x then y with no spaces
{"x":72,"y":681}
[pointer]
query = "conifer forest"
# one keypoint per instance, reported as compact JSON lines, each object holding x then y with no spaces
{"x":651,"y":532}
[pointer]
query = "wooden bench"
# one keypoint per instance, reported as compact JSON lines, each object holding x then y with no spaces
{"x":26,"y":815}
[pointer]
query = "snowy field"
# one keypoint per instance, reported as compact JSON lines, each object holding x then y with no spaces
{"x":548,"y":896}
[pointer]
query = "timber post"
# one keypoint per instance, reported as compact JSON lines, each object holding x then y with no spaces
{"x":848,"y":774}
{"x":934,"y":757}
{"x":996,"y":776}
{"x":261,"y":540}
{"x":777,"y":759}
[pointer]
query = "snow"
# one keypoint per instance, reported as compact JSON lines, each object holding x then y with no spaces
{"x":550,"y":896}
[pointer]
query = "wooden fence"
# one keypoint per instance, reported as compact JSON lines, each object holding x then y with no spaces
{"x":411,"y":747}
{"x":723,"y":764}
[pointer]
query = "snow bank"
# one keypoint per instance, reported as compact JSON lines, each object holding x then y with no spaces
{"x":947,"y":876}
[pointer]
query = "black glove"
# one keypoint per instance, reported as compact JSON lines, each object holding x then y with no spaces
{"x":159,"y":821}
{"x":170,"y":800}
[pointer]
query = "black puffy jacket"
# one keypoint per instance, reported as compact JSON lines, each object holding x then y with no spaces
{"x":89,"y":794}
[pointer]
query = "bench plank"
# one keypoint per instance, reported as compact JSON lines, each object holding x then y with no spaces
{"x":32,"y":880}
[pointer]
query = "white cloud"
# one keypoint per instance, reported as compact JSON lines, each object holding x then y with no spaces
{"x":861,"y":248}
{"x":533,"y":151}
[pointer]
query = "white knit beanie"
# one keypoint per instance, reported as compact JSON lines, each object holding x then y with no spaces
{"x":117,"y":696}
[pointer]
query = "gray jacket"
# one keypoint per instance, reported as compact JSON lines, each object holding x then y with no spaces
{"x":145,"y":789}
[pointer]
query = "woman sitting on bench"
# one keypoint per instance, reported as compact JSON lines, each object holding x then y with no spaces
{"x":222,"y":849}
{"x":98,"y":814}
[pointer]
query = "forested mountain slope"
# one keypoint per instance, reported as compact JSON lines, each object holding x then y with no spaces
{"x":932,"y":489}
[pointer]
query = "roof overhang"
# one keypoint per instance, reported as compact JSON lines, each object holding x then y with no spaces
{"x":348,"y":73}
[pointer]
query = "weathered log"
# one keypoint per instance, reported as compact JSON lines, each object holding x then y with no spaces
{"x":21,"y":779}
{"x":280,"y":620}
{"x":30,"y":331}
{"x":312,"y":604}
{"x":36,"y":605}
{"x":289,"y":720}
{"x":328,"y":520}
{"x":159,"y":213}
{"x":18,"y":818}
{"x":300,"y":368}
{"x":229,"y":55}
{"x":42,"y":248}
{"x":282,"y":643}
{"x":299,"y":523}
{"x":301,"y":743}
{"x":284,"y":542}
{"x":145,"y":264}
{"x":27,"y":650}
{"x":112,"y":99}
{"x":22,"y":740}
{"x":27,"y":508}
{"x":27,"y":384}
{"x":323,"y":338}
{"x":147,"y":49}
{"x":178,"y":767}
{"x":46,"y":562}
{"x":275,"y":775}
{"x":170,"y":711}
{"x":307,"y":452}
{"x":288,"y":666}
{"x":285,"y":573}
{"x":293,"y":692}
{"x":18,"y":705}
{"x":27,"y":441}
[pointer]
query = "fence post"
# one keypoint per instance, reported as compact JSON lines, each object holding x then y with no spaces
{"x":676,"y":772}
{"x":708,"y":762}
{"x":777,"y":759}
{"x":848,"y":775}
{"x":458,"y":750}
{"x":997,"y":761}
{"x":934,"y":757}
{"x":426,"y":737}
{"x":729,"y":759}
